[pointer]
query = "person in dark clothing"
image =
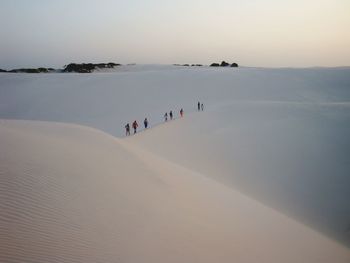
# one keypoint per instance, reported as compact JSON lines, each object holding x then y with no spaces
{"x":202,"y":107}
{"x":135,"y":125}
{"x":199,"y":106}
{"x":171,"y":115}
{"x":145,"y":122}
{"x":181,"y":112}
{"x":166,"y":116}
{"x":127,"y":129}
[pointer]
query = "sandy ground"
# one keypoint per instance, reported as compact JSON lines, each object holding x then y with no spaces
{"x":69,"y":193}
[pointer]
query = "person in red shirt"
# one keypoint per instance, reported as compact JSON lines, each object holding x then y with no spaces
{"x":135,"y":125}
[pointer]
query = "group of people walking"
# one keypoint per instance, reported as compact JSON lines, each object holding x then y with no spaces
{"x":135,"y":125}
{"x":171,"y":115}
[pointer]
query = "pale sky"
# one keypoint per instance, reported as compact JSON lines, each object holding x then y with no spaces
{"x":268,"y":33}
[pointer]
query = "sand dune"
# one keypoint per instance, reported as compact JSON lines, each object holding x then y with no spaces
{"x":74,"y":194}
{"x":177,"y":192}
{"x":289,"y":155}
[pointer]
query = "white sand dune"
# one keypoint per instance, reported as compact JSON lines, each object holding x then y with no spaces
{"x":74,"y":194}
{"x":177,"y":192}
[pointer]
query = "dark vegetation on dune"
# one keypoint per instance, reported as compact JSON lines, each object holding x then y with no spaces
{"x":188,"y":65}
{"x":88,"y":68}
{"x":29,"y":70}
{"x":72,"y":67}
{"x":224,"y":64}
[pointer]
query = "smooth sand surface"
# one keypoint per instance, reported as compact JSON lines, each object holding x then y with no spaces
{"x":70,"y":193}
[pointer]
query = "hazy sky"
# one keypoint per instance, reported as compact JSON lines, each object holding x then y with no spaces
{"x":269,"y":33}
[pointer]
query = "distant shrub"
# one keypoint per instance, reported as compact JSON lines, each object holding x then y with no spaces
{"x":188,"y":65}
{"x":224,"y":64}
{"x":88,"y":67}
{"x":25,"y":70}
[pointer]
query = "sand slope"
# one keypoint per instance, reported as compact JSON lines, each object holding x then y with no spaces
{"x":292,"y":156}
{"x":74,"y":194}
{"x":280,"y":135}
